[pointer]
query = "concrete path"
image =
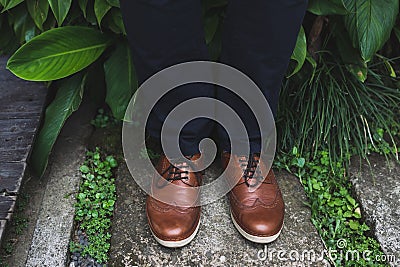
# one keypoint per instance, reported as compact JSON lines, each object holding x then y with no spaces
{"x":217,"y":243}
{"x":51,"y":206}
{"x":51,"y":237}
{"x":377,"y":187}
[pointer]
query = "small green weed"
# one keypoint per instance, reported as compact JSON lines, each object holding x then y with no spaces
{"x":95,"y":204}
{"x":335,"y":213}
{"x":20,"y":223}
{"x":3,"y":263}
{"x":8,"y":247}
{"x":19,"y":220}
{"x":75,"y":247}
{"x":103,"y":119}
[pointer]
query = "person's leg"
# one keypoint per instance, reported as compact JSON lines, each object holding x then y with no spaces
{"x":258,"y":39}
{"x":163,"y":33}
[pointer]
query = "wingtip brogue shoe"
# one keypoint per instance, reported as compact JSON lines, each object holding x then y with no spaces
{"x":174,"y":225}
{"x":257,"y":207}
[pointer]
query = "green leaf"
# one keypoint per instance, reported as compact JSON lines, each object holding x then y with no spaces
{"x":24,"y":27}
{"x":350,"y":55}
{"x":338,"y":202}
{"x":210,"y":27}
{"x":114,"y":3}
{"x":120,"y":79}
{"x":115,"y":22}
{"x":300,"y":51}
{"x":354,"y":224}
{"x":38,"y":9}
{"x":327,"y":7}
{"x":101,"y":7}
{"x":348,"y":214}
{"x":60,"y":9}
{"x":66,"y":101}
{"x":313,"y":64}
{"x":370,"y":24}
{"x":215,"y":46}
{"x":316,"y":186}
{"x":351,"y":200}
{"x":392,"y":73}
{"x":83,"y":5}
{"x":301,"y":162}
{"x":8,"y":4}
{"x":84,"y":169}
{"x":57,"y":53}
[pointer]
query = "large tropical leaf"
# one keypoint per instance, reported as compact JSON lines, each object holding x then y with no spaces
{"x":300,"y":51}
{"x":101,"y":7}
{"x":370,"y":24}
{"x":115,"y":22}
{"x":38,"y":9}
{"x":58,"y":53}
{"x":60,"y":9}
{"x":67,"y":100}
{"x":23,"y":25}
{"x":327,"y":7}
{"x":350,"y":55}
{"x":120,"y":79}
{"x":8,"y":4}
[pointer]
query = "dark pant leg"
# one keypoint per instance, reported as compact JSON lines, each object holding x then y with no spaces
{"x":163,"y":33}
{"x":258,"y":39}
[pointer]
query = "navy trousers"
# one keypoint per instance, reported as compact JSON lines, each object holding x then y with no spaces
{"x":258,"y":39}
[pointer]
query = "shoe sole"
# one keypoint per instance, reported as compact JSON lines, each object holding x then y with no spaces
{"x":176,"y":244}
{"x":254,"y":238}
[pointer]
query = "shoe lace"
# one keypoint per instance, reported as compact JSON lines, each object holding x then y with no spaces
{"x":176,"y":172}
{"x":250,"y":171}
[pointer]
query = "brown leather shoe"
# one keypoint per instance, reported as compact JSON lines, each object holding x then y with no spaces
{"x":257,"y":212}
{"x":174,"y":225}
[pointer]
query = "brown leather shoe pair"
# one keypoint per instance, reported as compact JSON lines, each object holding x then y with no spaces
{"x":257,"y":207}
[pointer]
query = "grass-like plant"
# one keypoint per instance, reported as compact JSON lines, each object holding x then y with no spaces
{"x":331,"y":109}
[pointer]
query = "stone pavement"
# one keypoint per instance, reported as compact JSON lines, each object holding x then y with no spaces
{"x":218,"y":243}
{"x":377,"y":187}
{"x":48,"y":243}
{"x":51,"y":237}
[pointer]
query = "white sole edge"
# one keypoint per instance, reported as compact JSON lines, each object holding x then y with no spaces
{"x":254,"y":238}
{"x":176,"y":244}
